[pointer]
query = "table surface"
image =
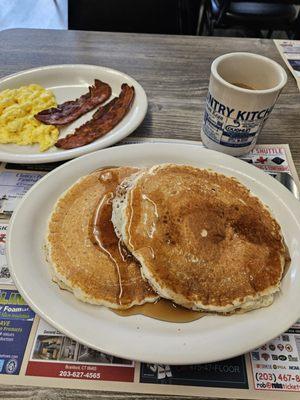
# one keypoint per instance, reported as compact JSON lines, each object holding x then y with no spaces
{"x":174,"y":71}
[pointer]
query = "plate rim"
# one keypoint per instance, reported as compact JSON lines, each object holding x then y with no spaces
{"x":125,"y":354}
{"x":39,"y":158}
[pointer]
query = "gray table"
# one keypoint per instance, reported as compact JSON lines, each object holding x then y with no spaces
{"x":174,"y":71}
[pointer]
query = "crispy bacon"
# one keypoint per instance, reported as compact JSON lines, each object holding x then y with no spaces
{"x":104,"y":109}
{"x":104,"y":120}
{"x":71,"y":110}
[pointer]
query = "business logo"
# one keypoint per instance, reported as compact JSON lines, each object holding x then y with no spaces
{"x":11,"y":366}
{"x":162,"y":371}
{"x":288,"y":348}
{"x":278,"y":161}
{"x":291,"y":358}
{"x":262,"y":160}
{"x":278,"y":366}
{"x":265,"y":356}
{"x":239,"y":115}
{"x":263,"y":366}
{"x":282,"y":357}
{"x":232,"y":127}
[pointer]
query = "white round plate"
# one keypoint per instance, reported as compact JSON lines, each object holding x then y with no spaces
{"x":68,"y":82}
{"x":137,"y":337}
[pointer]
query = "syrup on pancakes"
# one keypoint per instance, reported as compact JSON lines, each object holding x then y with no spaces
{"x":103,"y":235}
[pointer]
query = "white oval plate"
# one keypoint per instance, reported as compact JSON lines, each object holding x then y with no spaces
{"x":137,"y":337}
{"x":68,"y":82}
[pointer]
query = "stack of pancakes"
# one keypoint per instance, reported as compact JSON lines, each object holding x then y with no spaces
{"x":125,"y":236}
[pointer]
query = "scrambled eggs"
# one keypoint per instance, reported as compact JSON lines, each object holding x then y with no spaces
{"x":17,"y":122}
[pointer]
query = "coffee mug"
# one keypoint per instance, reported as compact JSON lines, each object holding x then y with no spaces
{"x":243,"y":90}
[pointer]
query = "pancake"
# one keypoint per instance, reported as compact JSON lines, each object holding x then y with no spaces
{"x":203,"y":240}
{"x":86,"y":256}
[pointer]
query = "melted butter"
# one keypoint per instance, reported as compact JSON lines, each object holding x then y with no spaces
{"x":163,"y":310}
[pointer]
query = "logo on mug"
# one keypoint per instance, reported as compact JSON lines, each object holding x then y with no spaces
{"x":232,"y":127}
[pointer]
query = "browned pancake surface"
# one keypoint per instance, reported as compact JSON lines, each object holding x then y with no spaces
{"x":202,"y":238}
{"x":76,"y":258}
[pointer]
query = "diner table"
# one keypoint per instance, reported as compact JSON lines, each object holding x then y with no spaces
{"x":174,"y":71}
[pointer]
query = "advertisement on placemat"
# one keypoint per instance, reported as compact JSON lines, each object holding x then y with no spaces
{"x":16,"y":319}
{"x":57,"y":356}
{"x":13,"y":186}
{"x":290,"y":53}
{"x":272,"y":160}
{"x":276,"y":365}
{"x":229,"y":373}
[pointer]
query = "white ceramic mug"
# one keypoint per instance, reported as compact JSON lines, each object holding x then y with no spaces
{"x":235,"y":115}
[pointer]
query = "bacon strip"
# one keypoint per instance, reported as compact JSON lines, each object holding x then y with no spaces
{"x":104,"y":109}
{"x":71,"y":110}
{"x":108,"y":117}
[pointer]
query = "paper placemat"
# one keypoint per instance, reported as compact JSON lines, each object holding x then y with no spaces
{"x":290,"y":52}
{"x":34,"y":353}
